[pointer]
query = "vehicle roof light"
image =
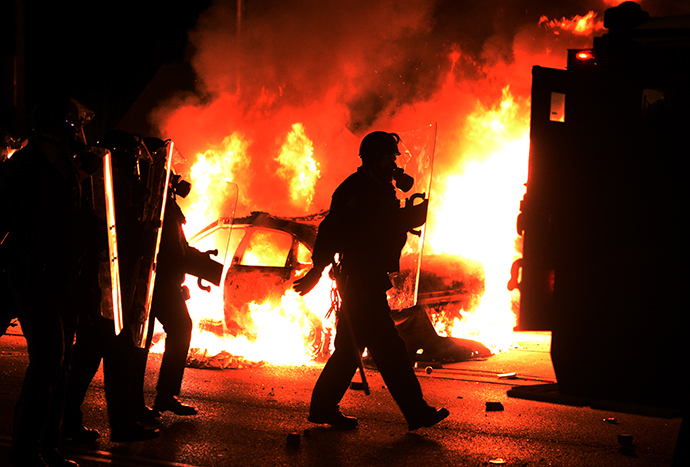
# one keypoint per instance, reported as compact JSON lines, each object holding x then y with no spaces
{"x":585,"y":55}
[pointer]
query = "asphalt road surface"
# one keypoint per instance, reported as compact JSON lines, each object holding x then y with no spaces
{"x":256,"y":416}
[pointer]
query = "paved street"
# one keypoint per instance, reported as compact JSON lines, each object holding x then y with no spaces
{"x":256,"y":416}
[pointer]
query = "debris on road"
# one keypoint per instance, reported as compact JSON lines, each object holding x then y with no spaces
{"x":494,"y":407}
{"x":293,"y":440}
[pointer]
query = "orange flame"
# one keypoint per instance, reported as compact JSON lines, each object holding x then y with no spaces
{"x":579,"y":25}
{"x":298,"y":167}
{"x":476,"y":215}
{"x":290,"y":332}
{"x":215,"y":165}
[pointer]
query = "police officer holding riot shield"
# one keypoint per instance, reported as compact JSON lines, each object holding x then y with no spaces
{"x":96,"y":336}
{"x":367,"y":229}
{"x":176,"y":258}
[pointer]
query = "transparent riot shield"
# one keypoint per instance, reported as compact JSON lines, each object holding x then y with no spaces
{"x":217,"y":236}
{"x":206,"y":303}
{"x":230,"y":195}
{"x":159,"y":168}
{"x":112,"y":290}
{"x":417,"y":157}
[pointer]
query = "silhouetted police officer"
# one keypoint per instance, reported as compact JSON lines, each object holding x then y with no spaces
{"x":367,"y":229}
{"x":170,"y":308}
{"x":96,"y":338}
{"x":176,"y":258}
{"x":46,"y":235}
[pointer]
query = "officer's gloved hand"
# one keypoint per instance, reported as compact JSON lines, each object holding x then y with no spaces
{"x":414,"y":215}
{"x":304,"y":285}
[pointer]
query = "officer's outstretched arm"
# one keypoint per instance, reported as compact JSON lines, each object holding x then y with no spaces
{"x":322,"y":255}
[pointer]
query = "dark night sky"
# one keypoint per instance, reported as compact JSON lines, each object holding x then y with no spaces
{"x":102,"y":53}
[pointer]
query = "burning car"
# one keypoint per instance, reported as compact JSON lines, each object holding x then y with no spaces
{"x":265,"y":254}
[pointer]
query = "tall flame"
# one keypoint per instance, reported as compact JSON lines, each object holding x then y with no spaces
{"x":226,"y":162}
{"x":298,"y":167}
{"x":475,"y":216}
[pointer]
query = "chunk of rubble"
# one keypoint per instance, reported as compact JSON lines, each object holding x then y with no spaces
{"x":493,"y":406}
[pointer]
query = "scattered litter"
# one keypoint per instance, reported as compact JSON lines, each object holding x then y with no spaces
{"x":357,"y":386}
{"x":625,"y":439}
{"x":512,"y":375}
{"x":497,"y":461}
{"x":434,"y":365}
{"x":198,"y":358}
{"x":293,"y":440}
{"x":494,"y":406}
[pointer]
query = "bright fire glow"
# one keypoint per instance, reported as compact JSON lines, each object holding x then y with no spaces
{"x":476,"y":218}
{"x":285,"y":330}
{"x":298,"y":167}
{"x":294,"y":138}
{"x":216,"y":165}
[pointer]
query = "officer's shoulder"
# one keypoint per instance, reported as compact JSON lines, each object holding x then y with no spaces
{"x":351,"y":188}
{"x":355,"y":182}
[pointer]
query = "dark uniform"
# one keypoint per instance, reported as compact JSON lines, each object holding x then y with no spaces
{"x":96,"y":338}
{"x":169,"y":307}
{"x":46,"y":234}
{"x":175,"y":259}
{"x":367,"y":229}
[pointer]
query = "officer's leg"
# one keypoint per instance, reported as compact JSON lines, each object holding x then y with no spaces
{"x":42,"y":328}
{"x":171,"y":311}
{"x":117,"y":373}
{"x":117,"y":361}
{"x":86,"y":358}
{"x":336,"y":375}
{"x":51,"y":436}
{"x":174,"y":317}
{"x":390,"y":355}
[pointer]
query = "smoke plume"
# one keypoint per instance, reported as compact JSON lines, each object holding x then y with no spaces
{"x":344,"y":68}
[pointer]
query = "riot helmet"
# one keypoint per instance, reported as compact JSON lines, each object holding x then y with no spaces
{"x":378,"y":143}
{"x":153,"y":144}
{"x":124,"y":147}
{"x":178,"y":186}
{"x":60,"y":118}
